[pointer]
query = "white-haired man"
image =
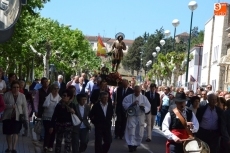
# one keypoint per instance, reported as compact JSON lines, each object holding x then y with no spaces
{"x":61,"y":84}
{"x":135,"y":122}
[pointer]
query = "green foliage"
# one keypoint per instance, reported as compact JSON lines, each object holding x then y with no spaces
{"x":70,"y":51}
{"x":198,"y":39}
{"x":132,"y":60}
{"x":167,"y":59}
{"x":165,"y":64}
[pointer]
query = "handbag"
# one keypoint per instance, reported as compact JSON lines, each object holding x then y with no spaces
{"x":38,"y":127}
{"x":22,"y":117}
{"x":76,"y":121}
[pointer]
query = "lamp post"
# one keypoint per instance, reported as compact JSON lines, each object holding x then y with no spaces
{"x":167,"y":33}
{"x":162,"y":42}
{"x":148,"y":64}
{"x":175,"y":23}
{"x":192,"y":6}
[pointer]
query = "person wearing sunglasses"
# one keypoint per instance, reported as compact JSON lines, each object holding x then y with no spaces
{"x":62,"y":121}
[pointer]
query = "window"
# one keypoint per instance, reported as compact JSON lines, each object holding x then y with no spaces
{"x":215,"y":54}
{"x":92,"y":44}
{"x":205,"y":60}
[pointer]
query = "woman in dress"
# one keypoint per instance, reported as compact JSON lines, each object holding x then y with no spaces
{"x":15,"y":105}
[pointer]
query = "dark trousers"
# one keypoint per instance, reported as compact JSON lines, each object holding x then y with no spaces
{"x":102,"y":134}
{"x":210,"y":137}
{"x":224,"y":147}
{"x":120,"y":124}
{"x":66,"y":133}
{"x":48,"y":138}
{"x":176,"y":148}
{"x":83,"y":136}
{"x":164,"y":111}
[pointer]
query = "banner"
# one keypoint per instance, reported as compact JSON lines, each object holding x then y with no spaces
{"x":101,"y":50}
{"x":220,"y":9}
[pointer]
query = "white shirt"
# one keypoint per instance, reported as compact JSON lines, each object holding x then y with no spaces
{"x":82,"y":111}
{"x":104,"y":108}
{"x":167,"y":121}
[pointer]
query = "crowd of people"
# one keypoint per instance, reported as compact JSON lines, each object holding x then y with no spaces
{"x":177,"y":112}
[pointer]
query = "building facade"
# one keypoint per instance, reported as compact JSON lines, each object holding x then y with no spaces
{"x":215,"y":40}
{"x":195,"y":66}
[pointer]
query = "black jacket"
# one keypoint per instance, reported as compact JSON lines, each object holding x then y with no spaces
{"x":120,"y":95}
{"x":154,"y":102}
{"x":200,"y":113}
{"x":225,"y":125}
{"x":84,"y":119}
{"x":95,"y":96}
{"x":98,"y":118}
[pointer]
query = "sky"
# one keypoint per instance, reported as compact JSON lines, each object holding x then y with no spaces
{"x":132,"y":17}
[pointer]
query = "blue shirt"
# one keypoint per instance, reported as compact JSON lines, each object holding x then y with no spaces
{"x":210,"y":119}
{"x":165,"y":100}
{"x":38,"y":86}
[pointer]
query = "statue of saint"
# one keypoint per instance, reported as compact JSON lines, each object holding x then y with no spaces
{"x":117,"y":50}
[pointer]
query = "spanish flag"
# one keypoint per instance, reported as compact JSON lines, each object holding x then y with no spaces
{"x":101,"y":50}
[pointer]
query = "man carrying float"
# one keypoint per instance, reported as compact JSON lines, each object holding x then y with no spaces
{"x":178,"y":125}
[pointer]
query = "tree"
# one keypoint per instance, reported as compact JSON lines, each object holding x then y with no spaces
{"x":132,"y":61}
{"x":67,"y":49}
{"x":198,"y":39}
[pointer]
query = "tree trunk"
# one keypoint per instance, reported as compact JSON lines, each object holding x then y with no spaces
{"x":28,"y":73}
{"x":46,"y":59}
{"x":20,"y":71}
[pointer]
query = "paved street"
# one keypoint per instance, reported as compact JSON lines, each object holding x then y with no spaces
{"x":119,"y":146}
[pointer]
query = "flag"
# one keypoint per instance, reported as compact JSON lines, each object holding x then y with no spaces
{"x":192,"y":79}
{"x":101,"y":50}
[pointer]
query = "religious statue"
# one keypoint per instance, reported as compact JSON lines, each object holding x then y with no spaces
{"x":117,"y":50}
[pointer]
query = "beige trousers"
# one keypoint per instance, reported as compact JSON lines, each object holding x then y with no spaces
{"x":150,"y":121}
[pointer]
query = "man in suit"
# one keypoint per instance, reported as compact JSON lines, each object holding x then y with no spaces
{"x":85,"y":80}
{"x":154,"y":99}
{"x":81,"y":132}
{"x":61,"y":84}
{"x":204,"y":100}
{"x":96,"y":92}
{"x":120,"y":94}
{"x":209,"y":118}
{"x":101,"y":116}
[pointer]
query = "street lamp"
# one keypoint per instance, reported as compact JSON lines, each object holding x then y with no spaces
{"x":167,"y":33}
{"x":157,"y":48}
{"x":175,"y":23}
{"x":154,"y":54}
{"x":192,"y":6}
{"x":162,"y":42}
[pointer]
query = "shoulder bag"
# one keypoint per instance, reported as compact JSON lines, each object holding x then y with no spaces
{"x":184,"y":123}
{"x":22,"y":117}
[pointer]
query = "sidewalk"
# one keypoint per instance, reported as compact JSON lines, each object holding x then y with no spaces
{"x":25,"y":144}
